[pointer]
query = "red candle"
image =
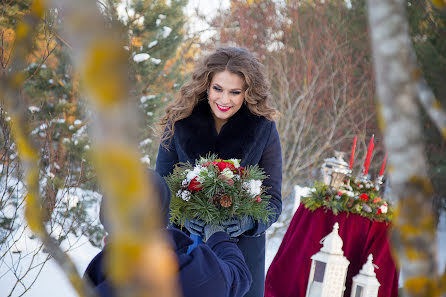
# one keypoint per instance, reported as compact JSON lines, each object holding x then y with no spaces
{"x":352,"y":157}
{"x":381,"y":172}
{"x":369,"y":156}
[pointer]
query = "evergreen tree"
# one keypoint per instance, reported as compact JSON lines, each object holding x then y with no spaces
{"x":155,"y":30}
{"x":428,"y":32}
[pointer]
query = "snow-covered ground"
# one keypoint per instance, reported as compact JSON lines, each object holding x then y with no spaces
{"x":52,"y":283}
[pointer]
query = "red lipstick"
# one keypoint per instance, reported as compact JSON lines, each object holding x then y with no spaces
{"x":223,"y":109}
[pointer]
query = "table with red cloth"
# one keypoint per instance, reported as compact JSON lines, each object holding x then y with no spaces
{"x":288,"y":274}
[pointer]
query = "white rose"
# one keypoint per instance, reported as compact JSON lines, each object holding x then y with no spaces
{"x":235,"y":162}
{"x":227,"y":173}
{"x":194,"y":174}
{"x":253,"y":187}
{"x":383,"y":208}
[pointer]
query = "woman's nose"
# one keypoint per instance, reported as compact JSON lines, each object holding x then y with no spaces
{"x":225,"y":97}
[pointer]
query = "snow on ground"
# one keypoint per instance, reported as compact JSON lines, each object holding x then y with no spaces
{"x":52,"y":282}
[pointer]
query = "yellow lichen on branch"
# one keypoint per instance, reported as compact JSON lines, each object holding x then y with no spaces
{"x":422,"y":287}
{"x":102,"y":72}
{"x":135,"y":244}
{"x":440,"y":4}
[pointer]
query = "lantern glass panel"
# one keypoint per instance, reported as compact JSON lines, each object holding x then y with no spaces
{"x":337,"y":179}
{"x":359,"y":291}
{"x":319,"y":271}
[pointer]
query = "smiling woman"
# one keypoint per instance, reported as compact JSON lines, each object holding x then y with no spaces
{"x":225,"y":97}
{"x":225,"y":109}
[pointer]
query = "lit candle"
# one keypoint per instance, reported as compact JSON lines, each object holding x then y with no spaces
{"x":381,"y":172}
{"x":352,"y":157}
{"x":369,"y":156}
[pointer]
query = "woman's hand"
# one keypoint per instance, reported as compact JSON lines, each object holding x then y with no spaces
{"x":236,"y":227}
{"x":195,"y":226}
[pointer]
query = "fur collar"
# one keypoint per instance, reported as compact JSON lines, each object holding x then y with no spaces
{"x":197,"y":136}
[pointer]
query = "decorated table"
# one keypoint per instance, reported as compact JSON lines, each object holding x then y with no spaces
{"x":352,"y":207}
{"x":289,"y":271}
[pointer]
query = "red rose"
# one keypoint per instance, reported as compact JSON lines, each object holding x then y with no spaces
{"x":379,"y":211}
{"x":194,"y":185}
{"x":222,"y":165}
{"x":258,"y":199}
{"x":364,"y":197}
{"x":242,"y":171}
{"x":339,"y":193}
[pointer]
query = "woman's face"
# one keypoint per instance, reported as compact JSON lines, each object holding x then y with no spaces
{"x":226,"y":95}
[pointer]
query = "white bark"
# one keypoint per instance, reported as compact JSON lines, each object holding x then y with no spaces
{"x":413,"y":236}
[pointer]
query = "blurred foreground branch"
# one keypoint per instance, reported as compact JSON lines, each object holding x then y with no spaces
{"x":413,"y":236}
{"x":11,"y":85}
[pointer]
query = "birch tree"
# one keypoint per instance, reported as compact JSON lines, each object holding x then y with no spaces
{"x":399,"y":88}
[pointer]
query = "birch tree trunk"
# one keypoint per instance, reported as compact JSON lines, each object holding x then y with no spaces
{"x":413,"y":235}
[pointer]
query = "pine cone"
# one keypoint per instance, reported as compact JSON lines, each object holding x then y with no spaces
{"x":226,"y":201}
{"x":215,"y":199}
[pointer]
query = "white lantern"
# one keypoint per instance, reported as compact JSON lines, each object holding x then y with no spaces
{"x":334,"y":170}
{"x":365,"y":283}
{"x":328,"y":268}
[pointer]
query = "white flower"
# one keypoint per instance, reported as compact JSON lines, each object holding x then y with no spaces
{"x":235,"y":162}
{"x":184,"y":183}
{"x":383,"y":208}
{"x":196,"y":173}
{"x":350,"y":193}
{"x":179,"y":193}
{"x":185,"y":195}
{"x":227,"y":173}
{"x":253,"y":187}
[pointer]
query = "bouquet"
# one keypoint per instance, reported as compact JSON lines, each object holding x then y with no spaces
{"x":215,"y":190}
{"x":355,"y":195}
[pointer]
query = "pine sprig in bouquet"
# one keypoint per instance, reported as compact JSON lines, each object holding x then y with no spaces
{"x":354,"y":196}
{"x":215,"y":190}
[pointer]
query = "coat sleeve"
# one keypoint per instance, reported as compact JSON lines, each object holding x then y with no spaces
{"x":167,"y":158}
{"x":271,"y":162}
{"x":216,"y":268}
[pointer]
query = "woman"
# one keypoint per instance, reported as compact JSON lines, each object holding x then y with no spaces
{"x":226,"y":109}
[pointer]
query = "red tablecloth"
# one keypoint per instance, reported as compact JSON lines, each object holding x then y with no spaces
{"x":288,"y":274}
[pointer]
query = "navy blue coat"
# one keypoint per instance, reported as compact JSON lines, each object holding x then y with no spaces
{"x":245,"y":136}
{"x":216,"y":268}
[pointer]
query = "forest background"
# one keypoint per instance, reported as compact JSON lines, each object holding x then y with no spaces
{"x":318,"y":59}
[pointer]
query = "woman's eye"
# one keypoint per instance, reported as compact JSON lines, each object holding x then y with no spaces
{"x":236,"y":92}
{"x":217,"y":89}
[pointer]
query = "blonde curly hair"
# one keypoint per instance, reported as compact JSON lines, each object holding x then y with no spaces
{"x":235,"y":60}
